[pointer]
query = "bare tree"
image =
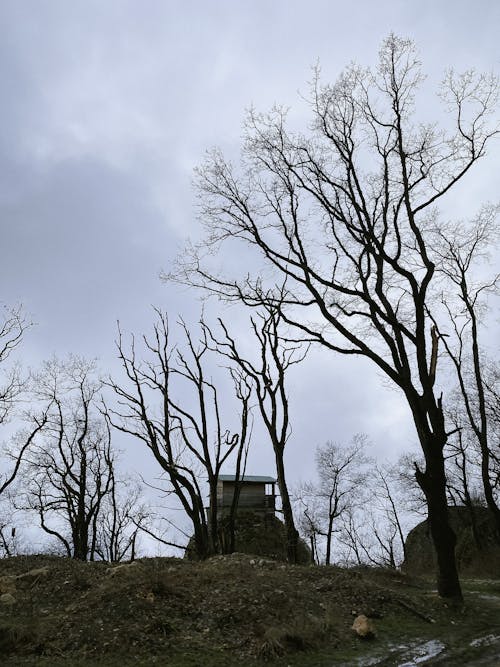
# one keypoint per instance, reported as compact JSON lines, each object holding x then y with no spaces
{"x":374,"y":532}
{"x":122,"y":516}
{"x":308,"y":512}
{"x":356,"y":500}
{"x":186,"y":438}
{"x":343,"y":474}
{"x":69,"y":471}
{"x":411,"y":497}
{"x":387,"y":519}
{"x":460,"y":249}
{"x":12,"y":328}
{"x":243,"y":391}
{"x":492,"y":393}
{"x":13,"y":449}
{"x":464,"y":465}
{"x":348,"y":218}
{"x":9,"y":536}
{"x":268,"y":374}
{"x":343,"y":477}
{"x":352,"y":538}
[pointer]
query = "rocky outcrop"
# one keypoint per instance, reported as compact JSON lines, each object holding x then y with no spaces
{"x":260,"y":536}
{"x":471,"y":559}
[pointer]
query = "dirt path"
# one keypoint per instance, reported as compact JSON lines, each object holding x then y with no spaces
{"x":476,"y":645}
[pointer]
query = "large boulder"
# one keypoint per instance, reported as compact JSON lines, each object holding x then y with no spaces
{"x":420,"y":555}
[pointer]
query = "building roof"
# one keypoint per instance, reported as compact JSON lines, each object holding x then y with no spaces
{"x":257,"y":479}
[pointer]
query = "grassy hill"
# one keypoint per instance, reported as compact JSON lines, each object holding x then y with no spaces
{"x":231,"y":610}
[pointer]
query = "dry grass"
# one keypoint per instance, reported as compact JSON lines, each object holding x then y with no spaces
{"x":226,"y":611}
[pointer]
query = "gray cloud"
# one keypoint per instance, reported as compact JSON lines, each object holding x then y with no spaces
{"x":106,"y":108}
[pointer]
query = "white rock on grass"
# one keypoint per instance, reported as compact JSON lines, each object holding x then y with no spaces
{"x":364,"y":627}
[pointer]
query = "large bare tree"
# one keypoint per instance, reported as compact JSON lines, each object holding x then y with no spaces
{"x":70,"y":469}
{"x":462,"y":247}
{"x":348,"y":216}
{"x":342,"y":480}
{"x":267,"y":370}
{"x":170,"y":403}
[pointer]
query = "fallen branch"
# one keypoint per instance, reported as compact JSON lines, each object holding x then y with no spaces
{"x":414,"y":611}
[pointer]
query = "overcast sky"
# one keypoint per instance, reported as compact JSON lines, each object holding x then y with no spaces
{"x":108,"y":105}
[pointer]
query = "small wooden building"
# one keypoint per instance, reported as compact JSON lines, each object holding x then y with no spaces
{"x":257,"y":494}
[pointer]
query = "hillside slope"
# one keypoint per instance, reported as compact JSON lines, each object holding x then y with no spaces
{"x":230,"y":610}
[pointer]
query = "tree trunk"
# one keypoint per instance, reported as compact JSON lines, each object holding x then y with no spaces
{"x":80,"y":544}
{"x":232,"y":516}
{"x":313,"y":548}
{"x":292,"y":535}
{"x":213,"y":519}
{"x":201,"y":540}
{"x":235,"y":501}
{"x":433,"y":484}
{"x":329,"y":541}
